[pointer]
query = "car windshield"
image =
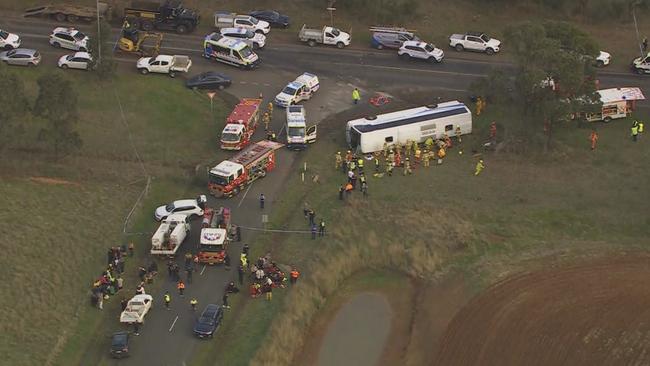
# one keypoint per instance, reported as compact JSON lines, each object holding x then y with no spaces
{"x":429,"y":47}
{"x":296,"y":131}
{"x":219,"y":180}
{"x":254,"y":20}
{"x":206,"y":320}
{"x":11,"y":53}
{"x":169,"y":207}
{"x":69,"y":57}
{"x":211,"y":248}
{"x":230,"y":137}
{"x":79,"y":36}
{"x":485,"y":38}
{"x":289,"y":90}
{"x":119,"y":340}
{"x":336,"y":32}
{"x":3,"y":34}
{"x":245,"y":52}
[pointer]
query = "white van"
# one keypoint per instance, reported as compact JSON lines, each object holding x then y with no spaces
{"x":229,"y":51}
{"x":298,"y":135}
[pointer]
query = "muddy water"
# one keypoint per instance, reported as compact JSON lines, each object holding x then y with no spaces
{"x":358,"y":333}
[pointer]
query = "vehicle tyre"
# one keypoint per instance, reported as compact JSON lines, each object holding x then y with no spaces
{"x":380,"y":46}
{"x":263,"y":174}
{"x":404,"y":56}
{"x":144,"y":71}
{"x":182,"y":29}
{"x":172,"y":74}
{"x":146,"y":26}
{"x":60,"y":17}
{"x":340,"y":45}
{"x":600,"y":63}
{"x":221,"y":87}
{"x":72,"y":18}
{"x":489,"y":51}
{"x":607,"y":119}
{"x":8,"y":47}
{"x":256,"y":46}
{"x":431,"y":60}
{"x":56,"y":45}
{"x":311,"y":43}
{"x":259,"y":31}
{"x":639,"y":71}
{"x":83,"y":49}
{"x":235,"y":191}
{"x":64,"y":67}
{"x":459,"y":47}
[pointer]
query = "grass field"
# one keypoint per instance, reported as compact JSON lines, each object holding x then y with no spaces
{"x":56,"y":230}
{"x":443,"y":219}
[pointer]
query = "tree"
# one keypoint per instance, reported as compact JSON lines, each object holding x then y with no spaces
{"x":555,"y":77}
{"x":57,"y":105}
{"x":14,"y":107}
{"x":104,"y":64}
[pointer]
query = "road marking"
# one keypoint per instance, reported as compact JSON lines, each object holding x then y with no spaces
{"x":203,"y":270}
{"x":245,"y":193}
{"x":267,"y":84}
{"x":255,"y":83}
{"x":174,"y":323}
{"x":242,"y":82}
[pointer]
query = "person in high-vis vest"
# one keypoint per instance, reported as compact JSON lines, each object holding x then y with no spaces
{"x":293,"y":276}
{"x":479,"y":167}
{"x":168,"y":299}
{"x":641,"y":126}
{"x":193,"y":303}
{"x":458,"y":135}
{"x":593,"y":138}
{"x":356,"y":96}
{"x":339,"y":160}
{"x":635,"y":131}
{"x":266,"y":118}
{"x":360,"y":164}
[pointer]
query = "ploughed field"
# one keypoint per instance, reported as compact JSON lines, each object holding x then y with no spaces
{"x":592,"y":313}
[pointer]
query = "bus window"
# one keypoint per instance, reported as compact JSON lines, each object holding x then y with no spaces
{"x":449,"y":128}
{"x":389,"y":139}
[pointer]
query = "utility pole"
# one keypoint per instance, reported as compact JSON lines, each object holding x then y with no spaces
{"x":636,"y":28}
{"x":99,"y":37}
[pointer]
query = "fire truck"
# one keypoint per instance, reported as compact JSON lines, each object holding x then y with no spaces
{"x":241,"y":124}
{"x":230,"y":176}
{"x":216,"y":234}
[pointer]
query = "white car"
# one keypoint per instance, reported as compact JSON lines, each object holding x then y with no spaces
{"x":603,"y":59}
{"x":189,"y":207}
{"x":9,"y":41}
{"x":78,"y":60}
{"x":253,"y":39}
{"x":421,"y":50}
{"x":69,"y":38}
{"x":475,"y":41}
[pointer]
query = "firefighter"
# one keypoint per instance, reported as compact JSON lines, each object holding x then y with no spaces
{"x":293,"y":276}
{"x":348,"y":156}
{"x":168,"y":299}
{"x":193,"y":303}
{"x":493,"y":131}
{"x":356,"y":96}
{"x":266,"y":119}
{"x":635,"y":131}
{"x":360,"y":163}
{"x":339,"y":160}
{"x":389,"y":167}
{"x":391,"y":155}
{"x":376,"y":157}
{"x":409,"y":145}
{"x":441,"y":154}
{"x":593,"y":138}
{"x":362,"y":178}
{"x":479,"y":167}
{"x":448,"y":143}
{"x":480,"y":104}
{"x":407,"y":167}
{"x":269,"y":109}
{"x":458,"y":134}
{"x":181,"y":287}
{"x":425,"y":159}
{"x":415,"y":146}
{"x":428,"y":143}
{"x":418,"y":156}
{"x":321,"y":228}
{"x":641,"y":126}
{"x":385,"y":149}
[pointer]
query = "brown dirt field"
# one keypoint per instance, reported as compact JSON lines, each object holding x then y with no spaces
{"x":54,"y":181}
{"x":593,"y":313}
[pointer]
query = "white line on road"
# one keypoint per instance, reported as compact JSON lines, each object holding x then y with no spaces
{"x":174,"y":323}
{"x":202,"y":270}
{"x":245,"y":193}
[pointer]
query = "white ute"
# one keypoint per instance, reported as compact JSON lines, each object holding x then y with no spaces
{"x":298,"y":135}
{"x":136,"y":309}
{"x":164,"y":64}
{"x":227,"y":20}
{"x":475,"y":41}
{"x":298,"y":90}
{"x":8,"y":41}
{"x":326,"y":35}
{"x":170,"y":234}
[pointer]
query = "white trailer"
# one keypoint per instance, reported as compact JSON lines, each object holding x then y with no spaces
{"x":170,"y":234}
{"x":136,"y":309}
{"x":367,"y":135}
{"x":617,"y":103}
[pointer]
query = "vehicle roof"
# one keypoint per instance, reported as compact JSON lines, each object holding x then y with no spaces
{"x":225,"y":168}
{"x":233,"y":128}
{"x":404,"y":117}
{"x":82,"y":54}
{"x":295,"y":84}
{"x":210,"y":309}
{"x":164,"y":57}
{"x":620,"y":94}
{"x":234,"y":30}
{"x":213,"y":235}
{"x":68,"y":30}
{"x":306,"y":77}
{"x":25,"y":51}
{"x":234,"y":44}
{"x":185,"y":202}
{"x":176,"y":217}
{"x":414,"y":43}
{"x":141,"y":298}
{"x":244,"y":110}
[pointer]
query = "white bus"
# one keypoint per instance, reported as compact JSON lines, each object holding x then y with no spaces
{"x":367,"y":135}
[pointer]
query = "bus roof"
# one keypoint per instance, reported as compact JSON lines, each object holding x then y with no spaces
{"x":408,"y":116}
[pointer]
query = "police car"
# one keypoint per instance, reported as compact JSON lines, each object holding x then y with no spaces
{"x":421,"y":50}
{"x":69,"y":38}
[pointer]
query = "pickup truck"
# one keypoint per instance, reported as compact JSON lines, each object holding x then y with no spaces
{"x":326,"y":35}
{"x":164,"y":64}
{"x":136,"y":309}
{"x":474,"y":41}
{"x":170,"y":234}
{"x":229,"y":20}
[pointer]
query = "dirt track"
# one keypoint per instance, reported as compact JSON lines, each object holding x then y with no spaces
{"x":595,"y":313}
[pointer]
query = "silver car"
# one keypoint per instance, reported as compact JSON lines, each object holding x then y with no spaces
{"x":21,"y":56}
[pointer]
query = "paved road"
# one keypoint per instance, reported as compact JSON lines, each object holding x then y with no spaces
{"x":166,"y":338}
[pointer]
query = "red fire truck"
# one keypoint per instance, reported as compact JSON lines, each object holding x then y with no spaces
{"x":216,"y":234}
{"x":233,"y":174}
{"x":241,"y":124}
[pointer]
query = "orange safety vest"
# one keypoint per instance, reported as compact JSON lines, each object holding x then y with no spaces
{"x":295,"y":274}
{"x":181,"y":285}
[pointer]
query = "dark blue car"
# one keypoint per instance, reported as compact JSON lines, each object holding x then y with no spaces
{"x":209,"y":321}
{"x":274,"y":18}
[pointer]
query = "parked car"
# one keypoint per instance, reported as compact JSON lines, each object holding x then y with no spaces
{"x":21,"y":56}
{"x":228,"y":20}
{"x":209,"y":80}
{"x":475,"y":41}
{"x":254,"y":40}
{"x":188,"y":206}
{"x":120,"y":345}
{"x":69,"y":38}
{"x":8,"y":41}
{"x":421,"y":50}
{"x":390,"y":37}
{"x":209,"y":321}
{"x":164,"y":64}
{"x":603,"y":59}
{"x":78,"y":60}
{"x":272,"y":17}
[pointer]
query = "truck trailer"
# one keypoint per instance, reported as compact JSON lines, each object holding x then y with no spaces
{"x":368,"y":134}
{"x":170,"y":235}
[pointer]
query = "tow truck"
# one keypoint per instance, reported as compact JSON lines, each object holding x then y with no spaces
{"x":231,"y":175}
{"x":216,"y":234}
{"x":241,"y":124}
